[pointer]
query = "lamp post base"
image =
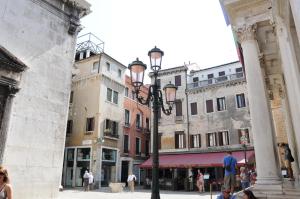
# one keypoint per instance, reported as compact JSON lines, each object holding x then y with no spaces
{"x":155,"y":196}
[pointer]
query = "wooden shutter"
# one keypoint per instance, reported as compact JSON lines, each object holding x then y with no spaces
{"x":178,"y":80}
{"x":194,"y":108}
{"x":191,"y":141}
{"x":207,"y":140}
{"x":220,"y":136}
{"x":178,"y":108}
{"x":209,"y":106}
{"x":184,"y":139}
{"x":176,"y":140}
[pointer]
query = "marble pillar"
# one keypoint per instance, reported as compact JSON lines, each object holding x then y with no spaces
{"x":291,"y":75}
{"x":262,"y":126}
{"x":295,"y":7}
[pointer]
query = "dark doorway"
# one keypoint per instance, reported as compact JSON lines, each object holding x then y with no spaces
{"x":124,"y":171}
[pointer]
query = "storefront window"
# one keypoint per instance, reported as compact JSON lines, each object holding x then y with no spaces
{"x":109,"y":155}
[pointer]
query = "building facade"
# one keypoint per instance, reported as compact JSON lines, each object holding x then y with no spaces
{"x":210,"y":116}
{"x":136,"y":133}
{"x":94,"y":130}
{"x":37,"y":40}
{"x":269,"y":33}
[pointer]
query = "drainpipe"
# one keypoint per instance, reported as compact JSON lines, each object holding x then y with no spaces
{"x":187,"y":109}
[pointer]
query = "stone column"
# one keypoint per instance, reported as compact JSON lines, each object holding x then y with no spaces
{"x":295,"y":6}
{"x":291,"y":75}
{"x":268,"y":173}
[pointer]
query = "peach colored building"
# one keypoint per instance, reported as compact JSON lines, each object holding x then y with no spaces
{"x":136,"y":133}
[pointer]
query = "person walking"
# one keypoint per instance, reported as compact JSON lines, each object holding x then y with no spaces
{"x":200,"y":181}
{"x":5,"y":187}
{"x":131,"y":178}
{"x":229,"y":164}
{"x":86,"y":177}
{"x":244,"y":176}
{"x":91,"y":180}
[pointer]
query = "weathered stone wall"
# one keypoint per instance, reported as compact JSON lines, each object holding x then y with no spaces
{"x":37,"y":33}
{"x":230,"y":120}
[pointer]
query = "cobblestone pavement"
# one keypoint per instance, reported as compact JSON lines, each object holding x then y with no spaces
{"x":139,"y":194}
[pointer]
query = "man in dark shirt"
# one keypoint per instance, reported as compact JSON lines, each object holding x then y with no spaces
{"x":229,"y":164}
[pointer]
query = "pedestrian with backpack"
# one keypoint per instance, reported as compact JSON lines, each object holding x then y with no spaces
{"x":229,"y":164}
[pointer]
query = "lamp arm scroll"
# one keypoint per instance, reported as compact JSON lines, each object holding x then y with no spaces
{"x":161,"y":102}
{"x":149,"y":97}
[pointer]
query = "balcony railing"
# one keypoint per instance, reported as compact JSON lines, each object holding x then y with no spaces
{"x":217,"y":80}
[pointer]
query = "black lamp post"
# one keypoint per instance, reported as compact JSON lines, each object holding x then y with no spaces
{"x":137,"y":70}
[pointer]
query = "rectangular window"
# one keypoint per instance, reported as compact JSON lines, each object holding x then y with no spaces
{"x":119,"y":72}
{"x":239,"y":70}
{"x":126,"y":91}
{"x":243,"y":136}
{"x":127,"y":117}
{"x":195,"y":79}
{"x":195,"y":141}
{"x":221,"y":104}
{"x":223,"y":138}
{"x":116,"y":97}
{"x":178,"y":80}
{"x":90,"y":124}
{"x":95,"y":66}
{"x":209,"y":106}
{"x":108,"y":94}
{"x":71,"y":97}
{"x":69,"y":127}
{"x":240,"y":100}
{"x":138,"y":121}
{"x":107,"y":66}
{"x":194,"y":108}
{"x":222,"y":73}
{"x":178,"y":104}
{"x":179,"y":140}
{"x":211,"y":139}
{"x":210,"y":78}
{"x":138,"y":146}
{"x":126,"y":144}
{"x":111,"y":128}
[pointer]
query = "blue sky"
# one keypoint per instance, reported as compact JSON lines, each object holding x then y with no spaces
{"x":186,"y":30}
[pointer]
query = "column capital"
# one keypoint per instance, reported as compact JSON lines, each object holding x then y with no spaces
{"x":245,"y":32}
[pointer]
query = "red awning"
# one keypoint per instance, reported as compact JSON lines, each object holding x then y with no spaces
{"x":196,"y":160}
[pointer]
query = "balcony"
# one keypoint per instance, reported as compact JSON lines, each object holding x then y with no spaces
{"x":110,"y":133}
{"x":216,"y":81}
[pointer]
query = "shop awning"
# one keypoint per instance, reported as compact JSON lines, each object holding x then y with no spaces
{"x":197,"y":160}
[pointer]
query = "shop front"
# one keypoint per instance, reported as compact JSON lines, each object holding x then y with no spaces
{"x":108,"y":168}
{"x":179,"y":171}
{"x":77,"y":160}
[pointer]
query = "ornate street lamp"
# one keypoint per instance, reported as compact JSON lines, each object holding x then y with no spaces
{"x":137,"y":70}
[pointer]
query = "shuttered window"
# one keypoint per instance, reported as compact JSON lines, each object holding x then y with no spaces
{"x":178,"y":104}
{"x":179,"y":140}
{"x":209,"y":106}
{"x":194,"y":108}
{"x":178,"y":80}
{"x":195,"y":141}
